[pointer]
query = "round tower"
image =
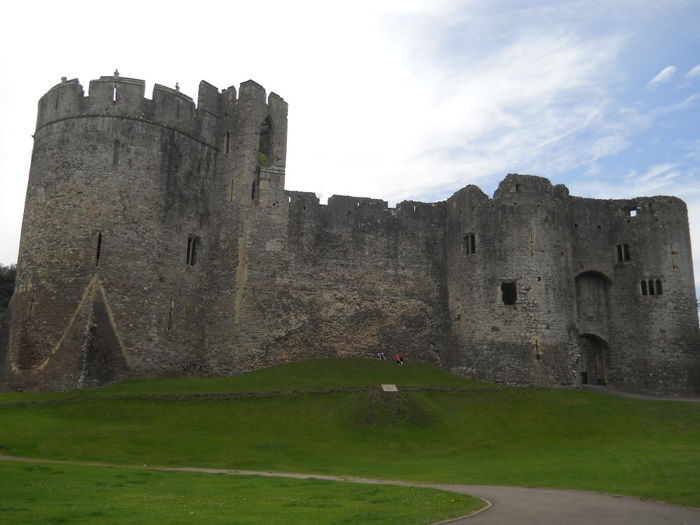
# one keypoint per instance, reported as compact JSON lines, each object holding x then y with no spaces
{"x":115,"y":226}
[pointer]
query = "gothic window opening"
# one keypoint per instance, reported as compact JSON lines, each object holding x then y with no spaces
{"x":469,"y":244}
{"x":644,"y":287}
{"x":659,"y":290}
{"x":650,"y":286}
{"x":623,"y":252}
{"x":228,"y":141}
{"x":114,"y":93}
{"x":509,"y":293}
{"x":265,"y":141}
{"x":99,"y":249}
{"x":192,"y":249}
{"x":252,"y":191}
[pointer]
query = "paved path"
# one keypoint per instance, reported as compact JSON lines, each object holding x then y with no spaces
{"x":509,"y":505}
{"x":634,"y":395}
{"x":523,"y":506}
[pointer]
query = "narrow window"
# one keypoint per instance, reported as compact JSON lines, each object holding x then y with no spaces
{"x":644,"y":287}
{"x":623,"y":252}
{"x":265,"y":141}
{"x":469,"y":244}
{"x":99,"y":249}
{"x":252,"y":192}
{"x":228,"y":141}
{"x":170,"y":314}
{"x":31,"y":306}
{"x":659,"y":290}
{"x":584,"y":378}
{"x":632,"y":212}
{"x":192,"y":248}
{"x":115,"y":158}
{"x":114,"y":93}
{"x":509,"y":293}
{"x":650,"y":284}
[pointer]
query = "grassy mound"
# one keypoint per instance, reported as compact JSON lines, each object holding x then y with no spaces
{"x":314,"y":374}
{"x":467,"y":432}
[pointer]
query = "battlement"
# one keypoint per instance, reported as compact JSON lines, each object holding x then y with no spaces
{"x":122,"y":97}
{"x":528,"y":185}
{"x":637,"y":209}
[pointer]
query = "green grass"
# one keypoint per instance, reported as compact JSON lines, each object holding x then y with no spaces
{"x":472,"y":433}
{"x":49,"y":493}
{"x":313,"y":374}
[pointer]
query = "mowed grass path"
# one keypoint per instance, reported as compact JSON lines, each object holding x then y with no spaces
{"x":470,"y":433}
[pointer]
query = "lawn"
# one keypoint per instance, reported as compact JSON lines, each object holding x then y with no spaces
{"x":448,"y":430}
{"x":49,"y":493}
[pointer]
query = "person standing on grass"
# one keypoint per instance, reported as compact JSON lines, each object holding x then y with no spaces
{"x":399,"y":359}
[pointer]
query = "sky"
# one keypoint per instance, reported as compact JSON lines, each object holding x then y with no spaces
{"x":397,"y":99}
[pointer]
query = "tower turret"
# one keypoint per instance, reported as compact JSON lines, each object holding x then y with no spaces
{"x":118,"y":218}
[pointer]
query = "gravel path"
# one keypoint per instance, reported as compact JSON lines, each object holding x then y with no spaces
{"x":508,"y":505}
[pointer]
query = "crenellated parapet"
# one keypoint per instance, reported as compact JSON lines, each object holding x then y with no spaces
{"x":121,"y":97}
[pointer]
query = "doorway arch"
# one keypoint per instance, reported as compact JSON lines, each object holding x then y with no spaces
{"x":595,"y":355}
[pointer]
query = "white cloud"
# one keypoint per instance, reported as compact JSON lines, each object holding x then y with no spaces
{"x":388,"y":99}
{"x":664,"y":76}
{"x":695,"y":72}
{"x":654,"y":172}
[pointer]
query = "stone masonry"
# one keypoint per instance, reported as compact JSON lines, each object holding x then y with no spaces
{"x":159,"y":241}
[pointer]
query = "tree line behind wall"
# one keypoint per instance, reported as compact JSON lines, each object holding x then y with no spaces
{"x":7,"y":286}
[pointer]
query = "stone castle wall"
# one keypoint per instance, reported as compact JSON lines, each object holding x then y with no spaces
{"x":159,"y":240}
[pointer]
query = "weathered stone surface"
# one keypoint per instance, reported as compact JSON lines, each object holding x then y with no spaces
{"x":159,"y":240}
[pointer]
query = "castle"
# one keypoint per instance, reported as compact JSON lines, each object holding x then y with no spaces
{"x":159,"y":241}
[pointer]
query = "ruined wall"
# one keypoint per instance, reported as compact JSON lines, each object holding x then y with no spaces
{"x":635,"y":259}
{"x":247,"y":264}
{"x":510,"y":281}
{"x":350,"y":278}
{"x":158,"y":240}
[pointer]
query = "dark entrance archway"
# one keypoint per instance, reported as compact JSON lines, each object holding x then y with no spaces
{"x":594,"y":360}
{"x":592,"y":303}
